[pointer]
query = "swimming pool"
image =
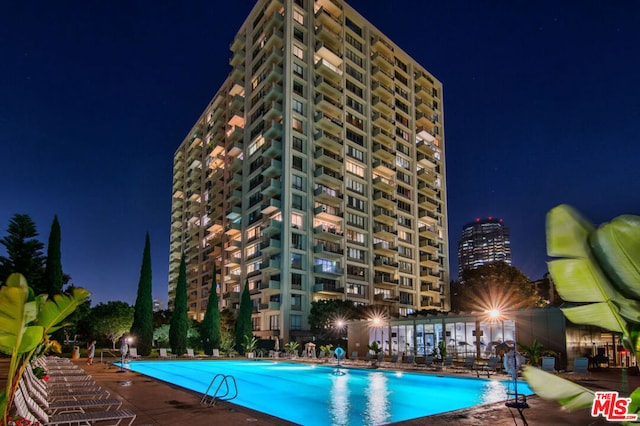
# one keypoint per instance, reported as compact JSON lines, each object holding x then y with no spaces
{"x":313,"y":395}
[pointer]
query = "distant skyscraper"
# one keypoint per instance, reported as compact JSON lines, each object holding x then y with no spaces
{"x":316,"y":172}
{"x":483,"y":241}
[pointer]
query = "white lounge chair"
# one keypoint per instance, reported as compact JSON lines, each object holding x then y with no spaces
{"x":133,"y":353}
{"x":29,"y":409}
{"x":164,"y":354}
{"x":191,"y":354}
{"x":72,"y":404}
{"x":215,"y":353}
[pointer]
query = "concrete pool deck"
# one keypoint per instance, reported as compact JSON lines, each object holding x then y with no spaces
{"x":159,"y":403}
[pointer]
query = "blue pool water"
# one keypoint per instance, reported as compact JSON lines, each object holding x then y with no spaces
{"x":313,"y":395}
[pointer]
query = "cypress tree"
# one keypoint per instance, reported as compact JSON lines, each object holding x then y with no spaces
{"x":180,"y":318}
{"x":243,"y":324}
{"x":210,"y":327}
{"x":53,"y":276}
{"x":142,"y":327}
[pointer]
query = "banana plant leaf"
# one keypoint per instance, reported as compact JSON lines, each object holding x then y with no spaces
{"x":16,"y":335}
{"x":549,"y":386}
{"x":54,"y":311}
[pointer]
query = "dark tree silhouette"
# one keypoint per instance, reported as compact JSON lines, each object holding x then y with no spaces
{"x":24,"y":252}
{"x":244,"y":328}
{"x":210,"y":327}
{"x":54,"y":279}
{"x":180,"y":319}
{"x":142,"y":328}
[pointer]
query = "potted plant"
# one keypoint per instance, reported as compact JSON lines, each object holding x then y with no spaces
{"x":250,"y":344}
{"x":291,"y":348}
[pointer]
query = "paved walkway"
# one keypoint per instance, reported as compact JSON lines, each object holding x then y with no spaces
{"x":160,"y":403}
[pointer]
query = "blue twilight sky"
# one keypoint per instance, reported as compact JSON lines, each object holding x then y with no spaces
{"x":541,"y":98}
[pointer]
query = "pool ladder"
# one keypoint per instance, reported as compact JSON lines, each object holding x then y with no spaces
{"x":223,"y":390}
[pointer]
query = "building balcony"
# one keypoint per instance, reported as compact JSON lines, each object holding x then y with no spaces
{"x":270,"y":286}
{"x":329,"y":233}
{"x":328,"y":87}
{"x":274,"y":131}
{"x":327,"y":19}
{"x":272,"y":168}
{"x":429,"y":263}
{"x":275,"y":20}
{"x":274,"y":111}
{"x":384,"y":232}
{"x":231,"y":296}
{"x":235,"y":213}
{"x":329,"y":53}
{"x":328,"y":141}
{"x":385,"y":249}
{"x":327,"y":35}
{"x":427,"y":160}
{"x":381,"y":105}
{"x":430,"y":248}
{"x":325,"y":195}
{"x":328,"y":177}
{"x":233,"y":245}
{"x":383,"y":199}
{"x":385,"y":154}
{"x":382,"y":167}
{"x":429,"y":232}
{"x":271,"y":266}
{"x":328,"y":213}
{"x":427,"y":203}
{"x":272,"y":226}
{"x":382,"y":215}
{"x":328,"y":270}
{"x":272,"y":149}
{"x":382,"y":75}
{"x":271,"y":206}
{"x":274,"y":93}
{"x":328,"y":70}
{"x":328,"y":105}
{"x":383,"y":121}
{"x":426,"y":175}
{"x":328,"y":159}
{"x":383,"y":62}
{"x":271,"y":188}
{"x":234,"y":197}
{"x":274,"y":40}
{"x":386,"y":265}
{"x":328,"y":289}
{"x":426,"y":188}
{"x":382,"y":90}
{"x":328,"y":122}
{"x":384,"y":184}
{"x":385,"y":281}
{"x":238,"y":42}
{"x":428,"y":216}
{"x":237,"y":58}
{"x":385,"y":138}
{"x":381,"y":45}
{"x":235,"y":181}
{"x":237,"y":74}
{"x":328,"y":251}
{"x":271,"y":247}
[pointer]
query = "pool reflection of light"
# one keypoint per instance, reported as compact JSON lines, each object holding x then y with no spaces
{"x":339,"y":400}
{"x":493,"y":391}
{"x":377,"y":410}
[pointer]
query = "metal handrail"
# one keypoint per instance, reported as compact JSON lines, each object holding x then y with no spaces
{"x":224,"y":380}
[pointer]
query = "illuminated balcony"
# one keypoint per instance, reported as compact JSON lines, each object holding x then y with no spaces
{"x":327,"y":270}
{"x":384,"y":184}
{"x":381,"y":45}
{"x":334,"y":7}
{"x":428,"y":216}
{"x":271,"y":266}
{"x":328,"y":70}
{"x":235,"y":213}
{"x":430,"y":248}
{"x":324,"y":17}
{"x":384,"y":153}
{"x":233,"y":245}
{"x":425,"y":188}
{"x":427,"y":203}
{"x":328,"y":289}
{"x":384,"y":281}
{"x":328,"y":141}
{"x":385,"y":249}
{"x":328,"y":35}
{"x":383,"y":168}
{"x":384,"y":232}
{"x":427,"y":175}
{"x":329,"y":53}
{"x":427,"y":231}
{"x":428,"y":262}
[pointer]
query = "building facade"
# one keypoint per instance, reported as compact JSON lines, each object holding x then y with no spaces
{"x":317,"y":171}
{"x":483,"y":241}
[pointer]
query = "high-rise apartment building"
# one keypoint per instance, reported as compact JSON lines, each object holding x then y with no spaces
{"x":317,"y":171}
{"x":483,"y":241}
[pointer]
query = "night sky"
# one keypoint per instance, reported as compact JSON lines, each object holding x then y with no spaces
{"x":541,"y":98}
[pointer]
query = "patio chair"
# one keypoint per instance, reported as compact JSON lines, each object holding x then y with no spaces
{"x":30,"y":410}
{"x":380,"y":357}
{"x":354,"y":356}
{"x":165,"y":355}
{"x":62,"y":394}
{"x":55,"y":406}
{"x":548,"y":364}
{"x":215,"y":353}
{"x":428,"y":362}
{"x":190,"y":353}
{"x":394,"y":360}
{"x":492,"y":365}
{"x":469,"y":362}
{"x":410,"y":360}
{"x":580,"y":367}
{"x":448,"y":361}
{"x":133,"y":353}
{"x":52,"y":384}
